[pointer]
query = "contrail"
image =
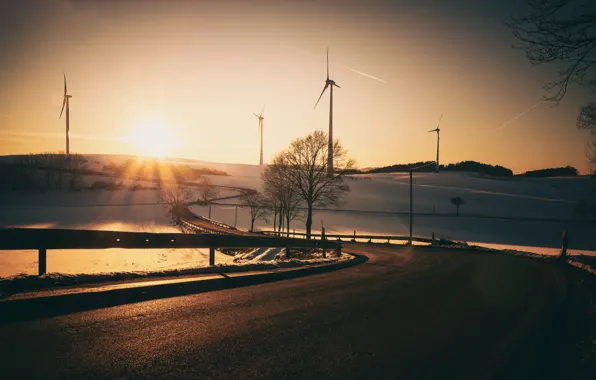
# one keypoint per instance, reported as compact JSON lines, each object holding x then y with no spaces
{"x":365,"y":74}
{"x":520,"y":115}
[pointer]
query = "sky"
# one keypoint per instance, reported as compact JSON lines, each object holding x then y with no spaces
{"x":183,"y":79}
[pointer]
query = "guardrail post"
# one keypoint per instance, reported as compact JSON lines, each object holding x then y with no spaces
{"x":563,"y":253}
{"x":41,"y":261}
{"x":338,"y":251}
{"x":211,"y":256}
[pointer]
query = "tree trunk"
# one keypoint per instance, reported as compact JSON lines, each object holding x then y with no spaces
{"x":288,"y":224}
{"x":281,"y":221}
{"x":274,"y":218}
{"x":252,"y":224}
{"x":309,"y":220}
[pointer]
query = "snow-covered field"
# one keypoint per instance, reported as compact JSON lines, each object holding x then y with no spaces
{"x":377,"y":204}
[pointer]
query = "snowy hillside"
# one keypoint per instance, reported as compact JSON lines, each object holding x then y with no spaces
{"x":377,"y":204}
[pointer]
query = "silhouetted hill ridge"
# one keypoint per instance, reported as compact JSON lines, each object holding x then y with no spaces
{"x":463,"y":166}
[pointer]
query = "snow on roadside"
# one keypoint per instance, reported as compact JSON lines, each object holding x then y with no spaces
{"x":92,"y":261}
{"x":24,"y":282}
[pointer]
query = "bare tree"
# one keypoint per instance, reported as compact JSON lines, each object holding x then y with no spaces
{"x":282,"y":194}
{"x":591,"y":152}
{"x":563,"y":31}
{"x":207,"y":191}
{"x":304,"y":164}
{"x":257,"y":204}
{"x":457,"y":202}
{"x":587,"y":117}
{"x":175,"y":198}
{"x":560,"y":31}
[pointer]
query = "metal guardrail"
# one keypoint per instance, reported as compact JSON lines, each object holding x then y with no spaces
{"x":187,"y":217}
{"x":354,"y":236}
{"x":44,"y":239}
{"x":200,"y":229}
{"x":217,"y":223}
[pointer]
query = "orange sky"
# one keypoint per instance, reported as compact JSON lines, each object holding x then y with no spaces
{"x":202,"y":68}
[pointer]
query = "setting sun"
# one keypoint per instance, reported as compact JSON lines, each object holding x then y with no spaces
{"x":153,"y":138}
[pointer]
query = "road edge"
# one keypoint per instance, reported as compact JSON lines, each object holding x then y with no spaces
{"x":17,"y":310}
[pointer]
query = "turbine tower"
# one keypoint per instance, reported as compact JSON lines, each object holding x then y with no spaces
{"x":261,"y":118}
{"x":438,"y":140}
{"x":66,"y":103}
{"x":329,"y":83}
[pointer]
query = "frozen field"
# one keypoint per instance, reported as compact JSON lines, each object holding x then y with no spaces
{"x":377,"y":204}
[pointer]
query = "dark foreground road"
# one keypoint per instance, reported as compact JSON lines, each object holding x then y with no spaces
{"x":404,"y":314}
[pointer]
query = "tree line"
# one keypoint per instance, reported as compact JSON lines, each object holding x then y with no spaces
{"x":463,"y":166}
{"x":567,"y":171}
{"x":44,"y":171}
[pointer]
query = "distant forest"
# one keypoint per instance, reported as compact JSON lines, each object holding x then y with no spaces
{"x":464,"y":166}
{"x":471,"y":166}
{"x":567,"y":171}
{"x":58,"y":171}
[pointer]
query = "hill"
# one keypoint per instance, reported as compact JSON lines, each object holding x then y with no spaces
{"x":464,"y":166}
{"x":567,"y":171}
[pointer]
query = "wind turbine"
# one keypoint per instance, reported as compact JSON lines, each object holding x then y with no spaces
{"x":261,"y":118}
{"x":329,"y":83}
{"x":438,"y":139}
{"x":66,"y":103}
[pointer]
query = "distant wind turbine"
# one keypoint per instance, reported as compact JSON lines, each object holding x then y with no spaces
{"x":438,"y":130}
{"x":261,"y":118}
{"x":329,"y":83}
{"x":66,"y":103}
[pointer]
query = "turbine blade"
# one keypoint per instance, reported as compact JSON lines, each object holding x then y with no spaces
{"x":336,"y":85}
{"x":327,"y":63}
{"x":441,"y":118}
{"x":324,"y":88}
{"x":255,"y":115}
{"x":65,"y":90}
{"x":63,"y":105}
{"x":263,"y":110}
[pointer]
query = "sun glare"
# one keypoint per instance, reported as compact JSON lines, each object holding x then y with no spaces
{"x":153,"y":138}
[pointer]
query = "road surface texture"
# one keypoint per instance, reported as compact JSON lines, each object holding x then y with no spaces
{"x":407,"y":313}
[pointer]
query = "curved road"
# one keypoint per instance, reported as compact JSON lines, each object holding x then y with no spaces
{"x":408,"y":313}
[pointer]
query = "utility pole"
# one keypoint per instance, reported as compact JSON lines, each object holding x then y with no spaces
{"x":412,"y":198}
{"x":411,"y":207}
{"x":236,"y":217}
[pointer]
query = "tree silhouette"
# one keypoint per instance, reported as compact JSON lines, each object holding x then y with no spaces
{"x":175,"y":198}
{"x":563,"y":31}
{"x":587,"y":120}
{"x":304,"y":164}
{"x":283,"y":197}
{"x":207,"y":191}
{"x":457,"y":201}
{"x":257,"y":205}
{"x":591,"y":152}
{"x":560,"y":31}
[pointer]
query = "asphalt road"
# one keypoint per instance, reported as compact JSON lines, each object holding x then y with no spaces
{"x":422,"y":314}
